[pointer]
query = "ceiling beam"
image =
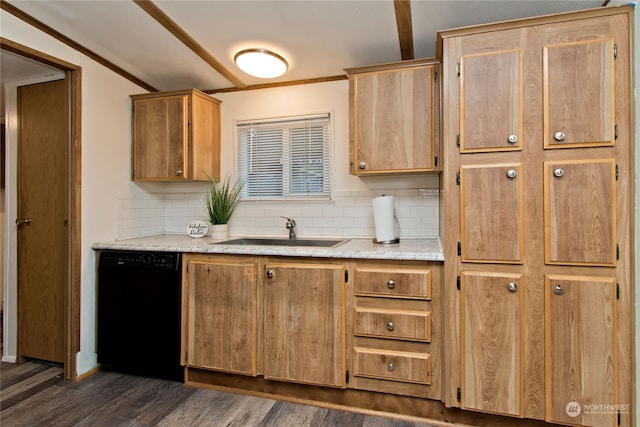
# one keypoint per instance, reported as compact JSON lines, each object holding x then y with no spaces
{"x":9,"y":8}
{"x":163,"y":19}
{"x":405,"y":28}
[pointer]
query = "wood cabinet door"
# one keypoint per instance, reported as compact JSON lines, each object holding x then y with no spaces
{"x":394,"y":121}
{"x":491,"y":213}
{"x":492,"y":342}
{"x":581,"y":359}
{"x":222,"y":316}
{"x":579,"y":87}
{"x":304,"y":323}
{"x":160,"y":138}
{"x":491,"y":101}
{"x":580,"y":212}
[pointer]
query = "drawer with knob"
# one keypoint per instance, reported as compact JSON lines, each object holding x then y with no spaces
{"x":393,"y":365}
{"x":394,"y":324}
{"x":407,"y":283}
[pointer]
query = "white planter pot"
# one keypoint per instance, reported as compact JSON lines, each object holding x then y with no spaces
{"x":219,"y":231}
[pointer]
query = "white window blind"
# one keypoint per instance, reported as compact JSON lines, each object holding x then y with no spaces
{"x":285,"y":158}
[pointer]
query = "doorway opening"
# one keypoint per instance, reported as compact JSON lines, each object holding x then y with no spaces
{"x":71,"y":244}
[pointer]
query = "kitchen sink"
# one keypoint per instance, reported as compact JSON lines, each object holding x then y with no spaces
{"x":269,"y":241}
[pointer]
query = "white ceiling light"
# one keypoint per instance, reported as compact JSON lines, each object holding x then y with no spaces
{"x":261,"y":63}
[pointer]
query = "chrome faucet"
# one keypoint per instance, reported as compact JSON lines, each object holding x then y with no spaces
{"x":291,"y":226}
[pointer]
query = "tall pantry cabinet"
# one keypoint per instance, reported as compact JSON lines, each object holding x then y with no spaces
{"x":537,"y":177}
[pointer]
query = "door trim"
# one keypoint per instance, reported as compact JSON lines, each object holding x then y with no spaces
{"x":72,"y":76}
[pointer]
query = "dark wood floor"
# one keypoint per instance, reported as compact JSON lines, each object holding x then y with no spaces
{"x":35,"y":394}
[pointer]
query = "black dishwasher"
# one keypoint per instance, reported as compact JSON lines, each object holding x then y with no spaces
{"x":139,"y":313}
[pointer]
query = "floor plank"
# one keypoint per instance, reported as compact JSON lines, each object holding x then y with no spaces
{"x":34,"y":394}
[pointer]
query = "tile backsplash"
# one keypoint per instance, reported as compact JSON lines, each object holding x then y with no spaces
{"x":349,"y":214}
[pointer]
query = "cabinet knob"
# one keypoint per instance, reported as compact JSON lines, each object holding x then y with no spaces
{"x":557,"y":289}
{"x":391,"y":284}
{"x":512,"y":286}
{"x":513,"y":139}
{"x":178,"y":172}
{"x":269,"y":274}
{"x":512,"y":173}
{"x":362,"y":165}
{"x":391,"y":367}
{"x":390,"y":326}
{"x":559,"y":136}
{"x":558,"y":172}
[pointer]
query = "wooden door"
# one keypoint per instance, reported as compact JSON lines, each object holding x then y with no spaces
{"x":492,"y":342}
{"x":43,"y":212}
{"x":579,"y":89}
{"x":491,"y":213}
{"x":580,"y":212}
{"x":581,"y":359}
{"x":160,"y":138}
{"x":491,"y":101}
{"x":304,"y":323}
{"x":394,"y":120}
{"x":222,"y":331}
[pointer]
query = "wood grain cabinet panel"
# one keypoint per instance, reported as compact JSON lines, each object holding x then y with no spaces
{"x":394,"y":324}
{"x":222,"y":322}
{"x":393,"y":118}
{"x":392,"y":365}
{"x":579,"y":94}
{"x":393,"y":282}
{"x":581,"y":359}
{"x":568,"y":212}
{"x":492,"y":341}
{"x":304,"y":323}
{"x":580,"y":212}
{"x":492,"y":213}
{"x":491,"y":101}
{"x":175,"y":136}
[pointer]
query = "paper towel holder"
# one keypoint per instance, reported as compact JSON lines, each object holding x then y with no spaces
{"x":391,"y":241}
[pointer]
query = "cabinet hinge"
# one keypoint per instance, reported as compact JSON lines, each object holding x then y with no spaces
{"x":615,"y":131}
{"x":459,"y":249}
{"x":617,"y":291}
{"x":617,"y":172}
{"x":347,"y":377}
{"x":458,"y":69}
{"x":458,"y":141}
{"x":615,"y":51}
{"x":459,"y":394}
{"x":458,"y":282}
{"x":435,"y":76}
{"x":457,"y":178}
{"x":617,"y":252}
{"x":346,"y":276}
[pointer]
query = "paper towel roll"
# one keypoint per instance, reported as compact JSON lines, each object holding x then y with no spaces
{"x":384,"y":218}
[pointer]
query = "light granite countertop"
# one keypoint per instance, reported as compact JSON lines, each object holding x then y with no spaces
{"x":428,"y":249}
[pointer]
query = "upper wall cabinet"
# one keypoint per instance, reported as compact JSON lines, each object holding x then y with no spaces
{"x":175,"y":136}
{"x":393,"y":124}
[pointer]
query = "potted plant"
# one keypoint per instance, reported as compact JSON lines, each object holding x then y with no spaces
{"x":220,"y":201}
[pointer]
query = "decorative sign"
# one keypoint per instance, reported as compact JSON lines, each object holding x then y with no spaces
{"x":197,"y":229}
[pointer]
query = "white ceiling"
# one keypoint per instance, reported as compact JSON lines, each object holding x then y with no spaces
{"x":318,"y":38}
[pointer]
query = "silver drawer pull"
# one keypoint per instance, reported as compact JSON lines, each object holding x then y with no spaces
{"x":559,"y":136}
{"x":390,"y":326}
{"x":362,"y":165}
{"x":557,"y":289}
{"x":391,"y":367}
{"x":511,"y":173}
{"x":391,"y":284}
{"x":513,"y":139}
{"x":558,"y":172}
{"x":512,"y":286}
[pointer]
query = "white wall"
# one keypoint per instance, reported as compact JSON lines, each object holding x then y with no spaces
{"x":105,"y":167}
{"x":348,"y":214}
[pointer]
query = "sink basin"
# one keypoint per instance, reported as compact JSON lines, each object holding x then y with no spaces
{"x":270,"y":241}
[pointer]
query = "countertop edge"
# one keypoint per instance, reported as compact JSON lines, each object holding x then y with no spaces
{"x":426,"y":249}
